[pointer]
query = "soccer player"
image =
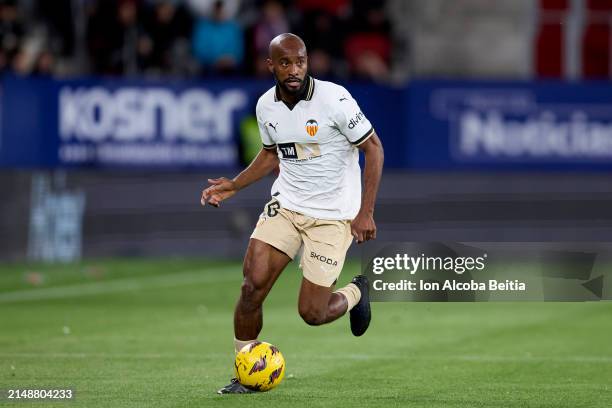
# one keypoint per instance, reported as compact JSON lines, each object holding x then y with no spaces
{"x":313,"y":130}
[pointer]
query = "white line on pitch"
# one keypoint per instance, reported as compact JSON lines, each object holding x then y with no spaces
{"x":489,"y":359}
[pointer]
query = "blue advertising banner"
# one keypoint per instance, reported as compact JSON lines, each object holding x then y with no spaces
{"x":119,"y":123}
{"x":509,"y":125}
{"x":429,"y":125}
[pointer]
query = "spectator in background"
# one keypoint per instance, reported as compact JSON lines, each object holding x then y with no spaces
{"x":57,"y":17}
{"x":324,"y":33}
{"x":32,"y":42}
{"x":368,"y":46}
{"x":217,"y":42}
{"x":11,"y":33}
{"x":118,"y":43}
{"x":168,"y":28}
{"x":101,"y":17}
{"x":206,"y":8}
{"x":44,"y":64}
{"x":320,"y":65}
{"x":22,"y":40}
{"x":134,"y":47}
{"x":272,"y":22}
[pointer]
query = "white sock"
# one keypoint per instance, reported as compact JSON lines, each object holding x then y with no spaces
{"x":352,"y":294}
{"x":239,"y":344}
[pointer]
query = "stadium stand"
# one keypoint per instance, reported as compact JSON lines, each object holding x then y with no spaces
{"x":378,"y":40}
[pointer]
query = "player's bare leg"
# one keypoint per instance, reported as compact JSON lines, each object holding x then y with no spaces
{"x":319,"y":304}
{"x":262,"y":265}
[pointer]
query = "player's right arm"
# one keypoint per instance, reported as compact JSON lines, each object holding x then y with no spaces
{"x":267,"y":159}
{"x":223,"y":188}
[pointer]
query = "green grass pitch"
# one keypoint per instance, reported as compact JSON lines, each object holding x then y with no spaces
{"x":158,"y":333}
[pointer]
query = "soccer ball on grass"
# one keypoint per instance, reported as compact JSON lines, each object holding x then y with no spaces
{"x":259,"y":366}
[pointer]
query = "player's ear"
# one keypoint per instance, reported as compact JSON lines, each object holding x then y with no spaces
{"x":270,"y":65}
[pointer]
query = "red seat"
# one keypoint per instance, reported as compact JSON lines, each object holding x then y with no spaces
{"x":596,"y":51}
{"x":549,"y":43}
{"x":360,"y":43}
{"x":599,"y":5}
{"x":595,"y":40}
{"x":549,"y":51}
{"x":554,"y":5}
{"x":333,"y":7}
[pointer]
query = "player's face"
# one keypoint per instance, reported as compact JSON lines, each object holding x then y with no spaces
{"x":289,"y":69}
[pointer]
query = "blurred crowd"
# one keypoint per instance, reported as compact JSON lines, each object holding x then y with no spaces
{"x":187,"y":38}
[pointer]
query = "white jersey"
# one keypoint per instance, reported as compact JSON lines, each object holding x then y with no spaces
{"x":316,"y":142}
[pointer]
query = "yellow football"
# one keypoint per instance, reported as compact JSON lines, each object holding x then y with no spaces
{"x":260,"y":366}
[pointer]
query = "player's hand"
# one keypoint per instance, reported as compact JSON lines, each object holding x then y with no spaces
{"x":363,"y":227}
{"x":220,"y":189}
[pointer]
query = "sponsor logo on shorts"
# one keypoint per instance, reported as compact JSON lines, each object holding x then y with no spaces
{"x":323,"y":258}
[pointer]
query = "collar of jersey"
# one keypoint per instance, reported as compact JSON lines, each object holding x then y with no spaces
{"x":305,"y":95}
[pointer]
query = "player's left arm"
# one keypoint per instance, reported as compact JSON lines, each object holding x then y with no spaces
{"x":363,"y":226}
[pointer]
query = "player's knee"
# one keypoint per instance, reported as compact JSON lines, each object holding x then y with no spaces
{"x":257,"y":275}
{"x":250,"y":294}
{"x":312,"y":316}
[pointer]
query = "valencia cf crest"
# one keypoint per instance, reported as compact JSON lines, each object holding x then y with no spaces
{"x":311,"y":127}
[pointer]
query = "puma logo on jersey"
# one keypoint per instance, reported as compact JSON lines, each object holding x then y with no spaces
{"x":273,"y":126}
{"x":343,"y":99}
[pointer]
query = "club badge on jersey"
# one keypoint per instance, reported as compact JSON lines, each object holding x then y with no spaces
{"x":312,"y":127}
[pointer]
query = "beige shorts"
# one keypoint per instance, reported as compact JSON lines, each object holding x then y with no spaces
{"x":325,"y":242}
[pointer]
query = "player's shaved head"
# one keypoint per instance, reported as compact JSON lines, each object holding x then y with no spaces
{"x":288,"y":62}
{"x":286,"y":44}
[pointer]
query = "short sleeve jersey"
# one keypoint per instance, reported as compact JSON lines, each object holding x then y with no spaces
{"x":316,"y":143}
